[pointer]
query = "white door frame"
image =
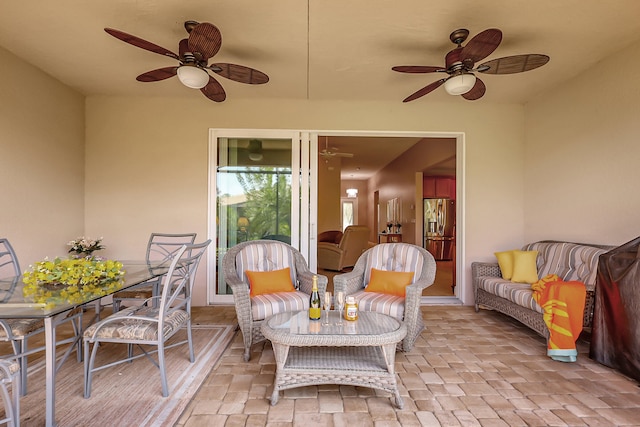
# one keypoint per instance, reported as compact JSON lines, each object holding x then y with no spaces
{"x":307,"y":141}
{"x":304,"y":161}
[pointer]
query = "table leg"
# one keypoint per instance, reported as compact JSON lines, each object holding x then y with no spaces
{"x":50,"y":368}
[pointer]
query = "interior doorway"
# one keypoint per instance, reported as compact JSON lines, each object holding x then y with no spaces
{"x":343,"y":160}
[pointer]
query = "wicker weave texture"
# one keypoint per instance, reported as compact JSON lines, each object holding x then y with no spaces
{"x":251,"y":332}
{"x":365,"y":358}
{"x":526,"y":316}
{"x":354,"y":281}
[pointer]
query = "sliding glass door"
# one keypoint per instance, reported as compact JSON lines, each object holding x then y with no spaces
{"x":260,"y":188}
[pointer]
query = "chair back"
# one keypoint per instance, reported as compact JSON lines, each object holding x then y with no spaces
{"x":164,"y":246}
{"x":262,"y":255}
{"x":402,"y":257}
{"x":9,"y":266}
{"x":178,"y":282}
{"x":354,"y":242}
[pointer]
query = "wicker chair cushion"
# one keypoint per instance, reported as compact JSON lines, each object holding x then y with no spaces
{"x":391,"y":257}
{"x":570,"y":261}
{"x":21,"y":327}
{"x":519,"y":293}
{"x":269,"y":257}
{"x":382,"y":303}
{"x":265,"y":305}
{"x":11,"y":365}
{"x":139,"y":329}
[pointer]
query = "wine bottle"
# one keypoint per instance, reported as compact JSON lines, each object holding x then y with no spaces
{"x":314,"y":301}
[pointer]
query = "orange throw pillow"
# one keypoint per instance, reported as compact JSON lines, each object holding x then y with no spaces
{"x":269,"y":282}
{"x":389,"y":282}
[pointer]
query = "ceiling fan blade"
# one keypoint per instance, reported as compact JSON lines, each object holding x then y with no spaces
{"x":183,"y":47}
{"x":205,"y":39}
{"x":513,"y":64}
{"x":481,"y":46}
{"x":476,"y":92}
{"x":425,"y":90}
{"x":240,"y":73}
{"x":156,"y":75}
{"x":214,"y":91}
{"x":344,"y":155}
{"x":138,"y":42}
{"x":417,"y":69}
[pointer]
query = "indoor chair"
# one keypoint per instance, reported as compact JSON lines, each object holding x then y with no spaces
{"x":354,"y":241}
{"x":161,"y":247}
{"x":401,"y":269}
{"x":150,"y":324}
{"x":18,"y":331}
{"x":258,"y":296}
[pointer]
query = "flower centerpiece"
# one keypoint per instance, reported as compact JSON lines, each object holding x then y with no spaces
{"x":71,"y":280}
{"x":84,"y":246}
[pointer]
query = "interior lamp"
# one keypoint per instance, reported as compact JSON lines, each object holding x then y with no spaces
{"x":243,"y":223}
{"x":460,"y":84}
{"x":352,"y":193}
{"x":255,"y":150}
{"x":192,"y":76}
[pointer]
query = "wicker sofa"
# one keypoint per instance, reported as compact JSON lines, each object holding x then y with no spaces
{"x":570,"y":261}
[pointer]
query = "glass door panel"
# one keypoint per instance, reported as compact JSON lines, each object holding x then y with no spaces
{"x":259,"y":189}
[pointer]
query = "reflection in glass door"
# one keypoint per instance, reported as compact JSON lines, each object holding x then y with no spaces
{"x":257,"y":184}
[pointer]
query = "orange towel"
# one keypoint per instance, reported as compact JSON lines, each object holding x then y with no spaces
{"x":563,"y":305}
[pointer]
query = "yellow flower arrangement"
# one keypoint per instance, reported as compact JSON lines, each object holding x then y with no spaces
{"x":71,"y":280}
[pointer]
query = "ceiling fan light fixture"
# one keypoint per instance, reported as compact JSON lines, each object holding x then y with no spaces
{"x":192,"y":76}
{"x":255,"y":150}
{"x":460,"y":84}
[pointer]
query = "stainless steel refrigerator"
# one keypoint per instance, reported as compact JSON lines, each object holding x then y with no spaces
{"x":440,"y":227}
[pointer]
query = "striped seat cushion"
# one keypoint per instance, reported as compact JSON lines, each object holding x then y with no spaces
{"x":265,"y":305}
{"x":390,"y":305}
{"x":519,"y":293}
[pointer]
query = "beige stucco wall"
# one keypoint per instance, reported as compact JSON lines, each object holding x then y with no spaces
{"x":41,"y":161}
{"x":151,"y":156}
{"x":582,"y":156}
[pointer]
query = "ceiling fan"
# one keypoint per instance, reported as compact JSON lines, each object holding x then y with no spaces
{"x":194,"y":52}
{"x":328,"y":154}
{"x":460,"y":62}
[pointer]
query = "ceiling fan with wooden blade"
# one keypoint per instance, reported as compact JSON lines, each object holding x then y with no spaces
{"x":460,"y":63}
{"x":328,"y":153}
{"x":203,"y":43}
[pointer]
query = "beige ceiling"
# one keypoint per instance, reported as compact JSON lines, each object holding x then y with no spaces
{"x":315,"y":49}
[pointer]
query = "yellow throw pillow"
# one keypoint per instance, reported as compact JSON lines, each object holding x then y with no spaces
{"x":269,"y":282}
{"x":505,"y":261}
{"x":389,"y":282}
{"x":524,"y":267}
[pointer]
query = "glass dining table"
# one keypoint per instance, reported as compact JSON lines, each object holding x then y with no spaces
{"x":13,"y":305}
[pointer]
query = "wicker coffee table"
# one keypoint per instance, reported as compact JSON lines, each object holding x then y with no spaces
{"x":359,"y":353}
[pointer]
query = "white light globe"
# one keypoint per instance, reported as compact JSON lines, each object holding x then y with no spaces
{"x":460,"y":84}
{"x":192,"y":76}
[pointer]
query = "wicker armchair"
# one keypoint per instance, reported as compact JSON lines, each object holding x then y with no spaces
{"x":266,"y":255}
{"x":392,"y":257}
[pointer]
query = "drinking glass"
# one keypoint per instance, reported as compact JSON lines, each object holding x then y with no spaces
{"x":326,"y":304}
{"x":339,"y":302}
